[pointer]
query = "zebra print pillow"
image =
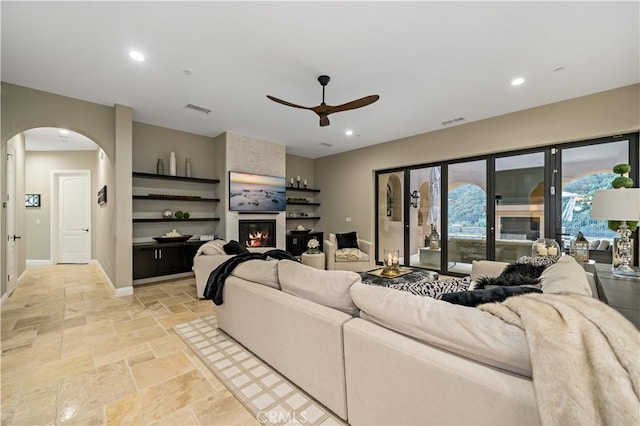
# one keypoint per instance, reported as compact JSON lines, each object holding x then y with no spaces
{"x":434,"y":289}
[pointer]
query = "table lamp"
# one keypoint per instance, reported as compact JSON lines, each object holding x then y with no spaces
{"x":620,"y":204}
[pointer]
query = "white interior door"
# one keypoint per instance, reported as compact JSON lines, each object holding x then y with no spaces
{"x":12,"y":255}
{"x":74,"y":218}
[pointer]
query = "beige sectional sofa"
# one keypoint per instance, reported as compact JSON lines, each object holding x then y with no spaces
{"x":375,"y":355}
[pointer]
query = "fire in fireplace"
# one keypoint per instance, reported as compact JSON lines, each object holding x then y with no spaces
{"x":257,"y":233}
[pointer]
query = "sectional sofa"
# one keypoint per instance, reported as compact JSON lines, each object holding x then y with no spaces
{"x":375,"y":355}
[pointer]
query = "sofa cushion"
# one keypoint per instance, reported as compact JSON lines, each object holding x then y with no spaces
{"x":593,"y":244}
{"x":214,"y":247}
{"x":348,"y":240}
{"x":566,"y":275}
{"x":604,"y":245}
{"x":328,"y":288}
{"x":466,"y":331}
{"x":234,"y":247}
{"x":259,"y":271}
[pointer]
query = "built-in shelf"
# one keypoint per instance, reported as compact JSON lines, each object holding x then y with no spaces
{"x":295,"y":203}
{"x":195,"y":219}
{"x":175,"y":178}
{"x":176,"y":198}
{"x":304,"y":218}
{"x":293,"y":188}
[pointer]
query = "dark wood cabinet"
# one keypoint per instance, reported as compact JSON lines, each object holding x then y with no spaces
{"x":152,"y":260}
{"x":297,"y":242}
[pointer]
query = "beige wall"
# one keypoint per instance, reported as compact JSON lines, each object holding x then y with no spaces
{"x":38,"y":166}
{"x":104,"y":228}
{"x":347,"y":180}
{"x":153,"y":142}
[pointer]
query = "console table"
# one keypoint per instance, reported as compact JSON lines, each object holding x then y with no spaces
{"x":622,"y":294}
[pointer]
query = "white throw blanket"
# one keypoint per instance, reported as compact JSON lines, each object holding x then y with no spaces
{"x":349,"y":253}
{"x":585,"y":358}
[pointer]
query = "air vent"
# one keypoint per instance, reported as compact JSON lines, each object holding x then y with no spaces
{"x":453,"y":121}
{"x":198,"y":108}
{"x":328,"y":145}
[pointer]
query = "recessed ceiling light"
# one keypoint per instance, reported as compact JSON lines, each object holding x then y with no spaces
{"x":136,"y":56}
{"x":559,"y":69}
{"x":64,"y":132}
{"x":517,"y":81}
{"x":349,"y":132}
{"x":186,"y":72}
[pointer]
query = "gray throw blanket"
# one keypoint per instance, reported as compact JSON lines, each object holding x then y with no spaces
{"x":585,"y":358}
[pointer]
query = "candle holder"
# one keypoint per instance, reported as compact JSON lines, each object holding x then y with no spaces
{"x":543,"y":247}
{"x":391,"y":264}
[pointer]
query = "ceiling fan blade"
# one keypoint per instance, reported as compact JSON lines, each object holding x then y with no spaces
{"x":280,"y":101}
{"x":358,"y":103}
{"x":324,"y":120}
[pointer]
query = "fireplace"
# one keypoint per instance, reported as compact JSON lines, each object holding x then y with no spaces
{"x":257,"y":233}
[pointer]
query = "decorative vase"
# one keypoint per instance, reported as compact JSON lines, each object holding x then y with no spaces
{"x":172,"y":164}
{"x":160,"y":167}
{"x":187,"y":168}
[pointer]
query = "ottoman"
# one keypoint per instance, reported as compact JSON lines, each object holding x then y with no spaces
{"x":315,"y":260}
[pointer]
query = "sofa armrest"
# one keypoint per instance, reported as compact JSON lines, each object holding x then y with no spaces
{"x":330,"y":250}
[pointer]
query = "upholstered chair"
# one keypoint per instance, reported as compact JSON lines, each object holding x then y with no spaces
{"x":347,"y":252}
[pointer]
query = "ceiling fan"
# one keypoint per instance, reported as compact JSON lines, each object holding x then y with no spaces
{"x":323,"y":110}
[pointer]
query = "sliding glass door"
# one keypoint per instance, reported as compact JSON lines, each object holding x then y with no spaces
{"x":496,"y":206}
{"x":466,"y":215}
{"x":519,"y":204}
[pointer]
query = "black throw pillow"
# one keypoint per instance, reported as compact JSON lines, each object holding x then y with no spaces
{"x":477,"y":297}
{"x":348,"y":240}
{"x":234,"y":247}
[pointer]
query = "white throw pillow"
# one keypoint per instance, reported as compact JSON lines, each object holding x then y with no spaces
{"x":328,"y":288}
{"x":604,"y":245}
{"x":259,"y":271}
{"x":566,"y":275}
{"x":486,"y":268}
{"x":466,"y":331}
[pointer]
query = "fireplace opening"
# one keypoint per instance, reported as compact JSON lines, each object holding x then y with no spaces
{"x":257,"y":233}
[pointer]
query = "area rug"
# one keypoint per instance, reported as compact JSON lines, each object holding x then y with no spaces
{"x":270,"y":397}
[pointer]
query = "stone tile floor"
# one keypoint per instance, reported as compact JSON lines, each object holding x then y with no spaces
{"x":72,"y":353}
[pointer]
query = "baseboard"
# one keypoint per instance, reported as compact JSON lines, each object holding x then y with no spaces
{"x":37,"y":262}
{"x":118,"y":292}
{"x":162,"y":278}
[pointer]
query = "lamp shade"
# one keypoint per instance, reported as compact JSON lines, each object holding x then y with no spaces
{"x":616,"y":204}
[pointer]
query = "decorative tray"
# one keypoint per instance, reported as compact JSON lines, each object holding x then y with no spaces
{"x":172,"y":239}
{"x":378,"y":273}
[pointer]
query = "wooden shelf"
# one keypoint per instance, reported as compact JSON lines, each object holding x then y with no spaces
{"x":294,"y":203}
{"x":293,"y":188}
{"x":304,"y":218}
{"x":175,"y":178}
{"x":197,"y":219}
{"x":176,"y":198}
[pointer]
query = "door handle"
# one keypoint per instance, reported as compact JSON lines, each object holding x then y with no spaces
{"x":15,"y":237}
{"x":86,"y":230}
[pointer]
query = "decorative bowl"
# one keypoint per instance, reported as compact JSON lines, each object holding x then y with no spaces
{"x":172,"y":239}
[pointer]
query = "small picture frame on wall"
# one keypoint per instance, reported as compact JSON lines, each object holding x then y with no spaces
{"x":102,"y":195}
{"x":32,"y":200}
